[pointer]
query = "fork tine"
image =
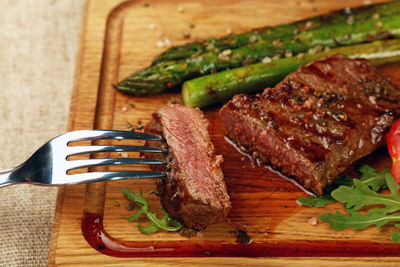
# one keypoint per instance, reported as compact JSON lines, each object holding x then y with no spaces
{"x":85,"y":163}
{"x":74,"y":150}
{"x":110,"y":134}
{"x":112,"y":175}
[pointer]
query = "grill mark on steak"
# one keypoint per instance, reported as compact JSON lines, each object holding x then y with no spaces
{"x":317,"y":121}
{"x":286,"y":127}
{"x":195,"y":190}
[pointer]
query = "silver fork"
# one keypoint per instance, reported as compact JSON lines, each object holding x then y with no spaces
{"x":49,"y":164}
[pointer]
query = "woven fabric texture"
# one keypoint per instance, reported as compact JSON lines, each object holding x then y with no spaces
{"x":38,"y":46}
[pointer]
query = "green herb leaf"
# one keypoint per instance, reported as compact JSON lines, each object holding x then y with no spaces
{"x":395,"y":237}
{"x":136,"y":216}
{"x":166,"y":223}
{"x":370,"y":177}
{"x":148,"y":229}
{"x":342,"y":181}
{"x":326,"y":198}
{"x":361,"y":195}
{"x":392,"y":184}
{"x":356,"y":220}
{"x":318,"y":202}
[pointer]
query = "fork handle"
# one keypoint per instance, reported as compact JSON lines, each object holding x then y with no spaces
{"x":6,"y":177}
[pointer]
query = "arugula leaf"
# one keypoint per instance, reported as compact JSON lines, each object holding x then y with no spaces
{"x":341,"y":181}
{"x":396,"y":235}
{"x":326,"y":198}
{"x":356,"y":220}
{"x":392,"y":184}
{"x":166,"y":223}
{"x":356,"y":194}
{"x":370,"y":177}
{"x":361,"y":195}
{"x":319,"y":202}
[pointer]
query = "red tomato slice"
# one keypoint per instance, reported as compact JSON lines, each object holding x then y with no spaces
{"x":393,"y":144}
{"x":396,"y":171}
{"x":393,"y":141}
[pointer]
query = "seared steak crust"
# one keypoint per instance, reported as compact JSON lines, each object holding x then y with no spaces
{"x":317,"y":121}
{"x":195,"y":190}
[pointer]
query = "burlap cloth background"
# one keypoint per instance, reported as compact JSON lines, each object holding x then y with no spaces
{"x":38,"y":45}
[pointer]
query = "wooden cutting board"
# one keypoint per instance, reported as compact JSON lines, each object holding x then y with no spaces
{"x":119,"y":37}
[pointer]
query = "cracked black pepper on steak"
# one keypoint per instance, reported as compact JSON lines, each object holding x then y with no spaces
{"x":317,"y":121}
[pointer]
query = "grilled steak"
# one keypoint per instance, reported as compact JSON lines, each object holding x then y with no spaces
{"x":195,"y":190}
{"x":317,"y":121}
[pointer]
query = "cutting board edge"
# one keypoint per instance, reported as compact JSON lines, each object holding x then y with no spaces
{"x":76,"y":94}
{"x":74,"y":125}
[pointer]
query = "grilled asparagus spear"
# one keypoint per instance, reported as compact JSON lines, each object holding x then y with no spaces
{"x":233,"y":41}
{"x":164,"y":75}
{"x":222,"y":86}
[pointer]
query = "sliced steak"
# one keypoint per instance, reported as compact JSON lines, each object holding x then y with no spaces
{"x":317,"y":121}
{"x":195,"y":190}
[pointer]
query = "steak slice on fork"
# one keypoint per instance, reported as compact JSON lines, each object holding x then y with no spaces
{"x":195,"y":190}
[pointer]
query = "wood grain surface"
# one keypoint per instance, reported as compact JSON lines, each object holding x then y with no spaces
{"x":119,"y":37}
